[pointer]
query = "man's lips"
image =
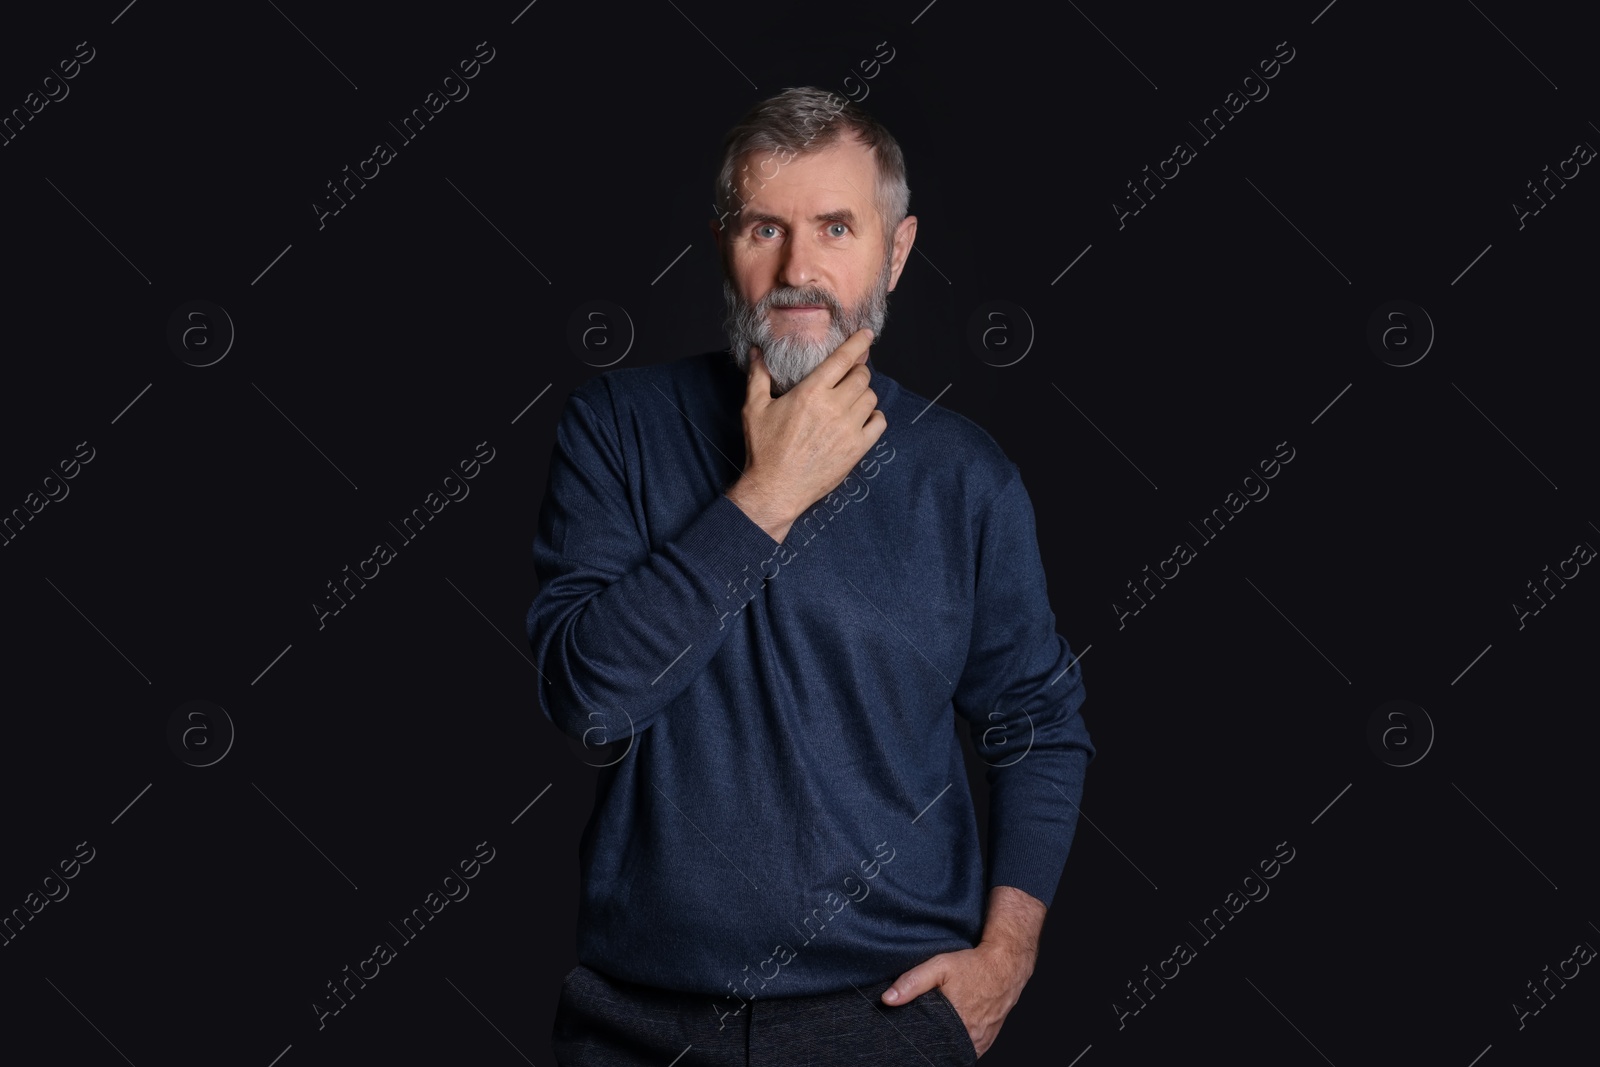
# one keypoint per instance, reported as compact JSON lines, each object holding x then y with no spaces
{"x":802,"y":307}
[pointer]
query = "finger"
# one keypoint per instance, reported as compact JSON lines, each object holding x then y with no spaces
{"x":844,"y":358}
{"x":855,"y":382}
{"x":915,"y":982}
{"x":864,"y":405}
{"x":758,"y":386}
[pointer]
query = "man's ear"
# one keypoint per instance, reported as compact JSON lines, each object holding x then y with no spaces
{"x":905,"y":235}
{"x":716,"y":233}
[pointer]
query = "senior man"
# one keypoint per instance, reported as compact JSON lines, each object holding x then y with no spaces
{"x":770,"y":578}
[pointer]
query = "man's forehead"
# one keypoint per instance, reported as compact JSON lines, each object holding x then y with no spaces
{"x":839,"y":177}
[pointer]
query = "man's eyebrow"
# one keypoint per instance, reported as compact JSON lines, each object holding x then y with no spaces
{"x":754,"y":218}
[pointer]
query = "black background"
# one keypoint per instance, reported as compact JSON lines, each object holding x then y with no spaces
{"x":1231,"y":713}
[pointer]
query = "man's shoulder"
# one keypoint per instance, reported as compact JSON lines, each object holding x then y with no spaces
{"x":948,"y":439}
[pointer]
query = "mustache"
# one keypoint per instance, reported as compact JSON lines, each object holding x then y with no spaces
{"x":799,"y":296}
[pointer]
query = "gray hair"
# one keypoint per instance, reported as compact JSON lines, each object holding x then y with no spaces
{"x":803,"y":120}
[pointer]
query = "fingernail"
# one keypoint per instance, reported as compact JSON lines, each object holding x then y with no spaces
{"x":892,"y":994}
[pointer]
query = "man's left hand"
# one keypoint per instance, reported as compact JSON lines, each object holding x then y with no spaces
{"x":983,"y":984}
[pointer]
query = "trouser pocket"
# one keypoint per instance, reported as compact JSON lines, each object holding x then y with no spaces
{"x":958,"y":1026}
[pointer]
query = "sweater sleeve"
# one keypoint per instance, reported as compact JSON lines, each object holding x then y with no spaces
{"x":1021,"y":689}
{"x":618,"y":630}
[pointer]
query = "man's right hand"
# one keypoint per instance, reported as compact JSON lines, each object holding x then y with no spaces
{"x":800,"y":446}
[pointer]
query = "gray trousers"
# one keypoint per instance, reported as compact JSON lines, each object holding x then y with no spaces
{"x":607,"y":1022}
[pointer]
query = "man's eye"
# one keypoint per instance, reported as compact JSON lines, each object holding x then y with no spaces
{"x":841,"y":227}
{"x":761,"y":230}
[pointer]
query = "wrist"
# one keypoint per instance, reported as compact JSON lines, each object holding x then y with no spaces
{"x":760,"y":506}
{"x":1014,"y":944}
{"x":1018,"y":955}
{"x":1013,"y":925}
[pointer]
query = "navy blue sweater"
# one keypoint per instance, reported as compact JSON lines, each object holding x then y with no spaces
{"x":782,"y":807}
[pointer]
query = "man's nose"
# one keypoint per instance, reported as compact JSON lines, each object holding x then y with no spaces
{"x":799,"y":266}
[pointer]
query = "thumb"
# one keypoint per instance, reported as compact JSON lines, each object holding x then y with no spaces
{"x":915,"y":982}
{"x":758,"y":386}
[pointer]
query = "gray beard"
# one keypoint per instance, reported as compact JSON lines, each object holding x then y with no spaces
{"x":790,"y":358}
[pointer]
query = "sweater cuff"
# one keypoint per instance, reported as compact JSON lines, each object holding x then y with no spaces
{"x":1031,"y":831}
{"x":1036,"y":875}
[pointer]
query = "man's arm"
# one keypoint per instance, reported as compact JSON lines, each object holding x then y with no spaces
{"x":617,"y":630}
{"x":1021,"y":690}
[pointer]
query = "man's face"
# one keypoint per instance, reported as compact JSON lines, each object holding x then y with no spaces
{"x":806,"y":260}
